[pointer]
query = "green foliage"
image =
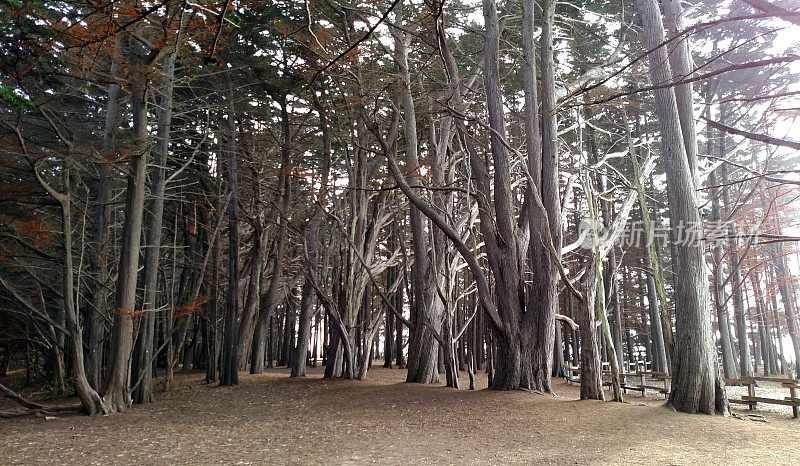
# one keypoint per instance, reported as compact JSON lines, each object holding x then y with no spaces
{"x":16,"y":101}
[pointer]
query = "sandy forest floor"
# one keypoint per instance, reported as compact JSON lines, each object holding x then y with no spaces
{"x":270,"y":418}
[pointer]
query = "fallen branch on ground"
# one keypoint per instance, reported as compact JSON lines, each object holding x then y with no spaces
{"x":33,"y":408}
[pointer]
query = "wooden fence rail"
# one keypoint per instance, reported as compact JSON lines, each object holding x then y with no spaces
{"x":751,"y":399}
{"x":629,"y":380}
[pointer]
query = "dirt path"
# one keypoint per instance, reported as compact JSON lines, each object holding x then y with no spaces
{"x":273,"y":419}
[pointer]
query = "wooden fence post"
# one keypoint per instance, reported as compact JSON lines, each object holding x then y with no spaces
{"x":642,"y":380}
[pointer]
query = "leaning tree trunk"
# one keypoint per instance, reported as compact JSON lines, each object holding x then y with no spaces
{"x":369,"y":337}
{"x":660,"y":322}
{"x":612,"y":292}
{"x":697,"y":385}
{"x":269,"y":303}
{"x":600,"y":299}
{"x":90,"y":400}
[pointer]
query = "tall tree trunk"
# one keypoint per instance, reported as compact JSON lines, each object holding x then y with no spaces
{"x":656,"y":327}
{"x":612,"y":292}
{"x":270,"y":301}
{"x":697,"y":385}
{"x":423,"y":349}
{"x":247,"y":324}
{"x":144,"y":345}
{"x":388,"y":338}
{"x":761,"y":323}
{"x":735,"y":279}
{"x":558,"y":353}
{"x":288,"y":330}
{"x":300,"y":353}
{"x":660,"y":322}
{"x":723,"y":320}
{"x":334,"y":350}
{"x":398,"y":304}
{"x":98,"y":269}
{"x":229,"y":373}
{"x":117,"y":397}
{"x":781,"y":356}
{"x":680,"y":60}
{"x":513,"y":356}
{"x":645,"y":336}
{"x":541,"y":147}
{"x":370,"y":334}
{"x":600,"y":299}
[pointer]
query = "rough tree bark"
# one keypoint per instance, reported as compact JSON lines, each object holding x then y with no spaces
{"x":591,"y":374}
{"x":270,"y":300}
{"x":680,"y":60}
{"x":513,"y":344}
{"x":697,"y":385}
{"x":542,"y":292}
{"x":247,"y":323}
{"x":423,"y":349}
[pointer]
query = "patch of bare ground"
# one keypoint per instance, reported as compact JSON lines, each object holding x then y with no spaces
{"x":270,"y":418}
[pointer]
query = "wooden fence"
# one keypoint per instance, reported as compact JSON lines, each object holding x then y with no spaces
{"x":637,"y":380}
{"x":630,"y":381}
{"x":751,"y":399}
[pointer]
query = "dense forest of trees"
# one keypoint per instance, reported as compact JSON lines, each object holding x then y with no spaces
{"x":511,"y":187}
